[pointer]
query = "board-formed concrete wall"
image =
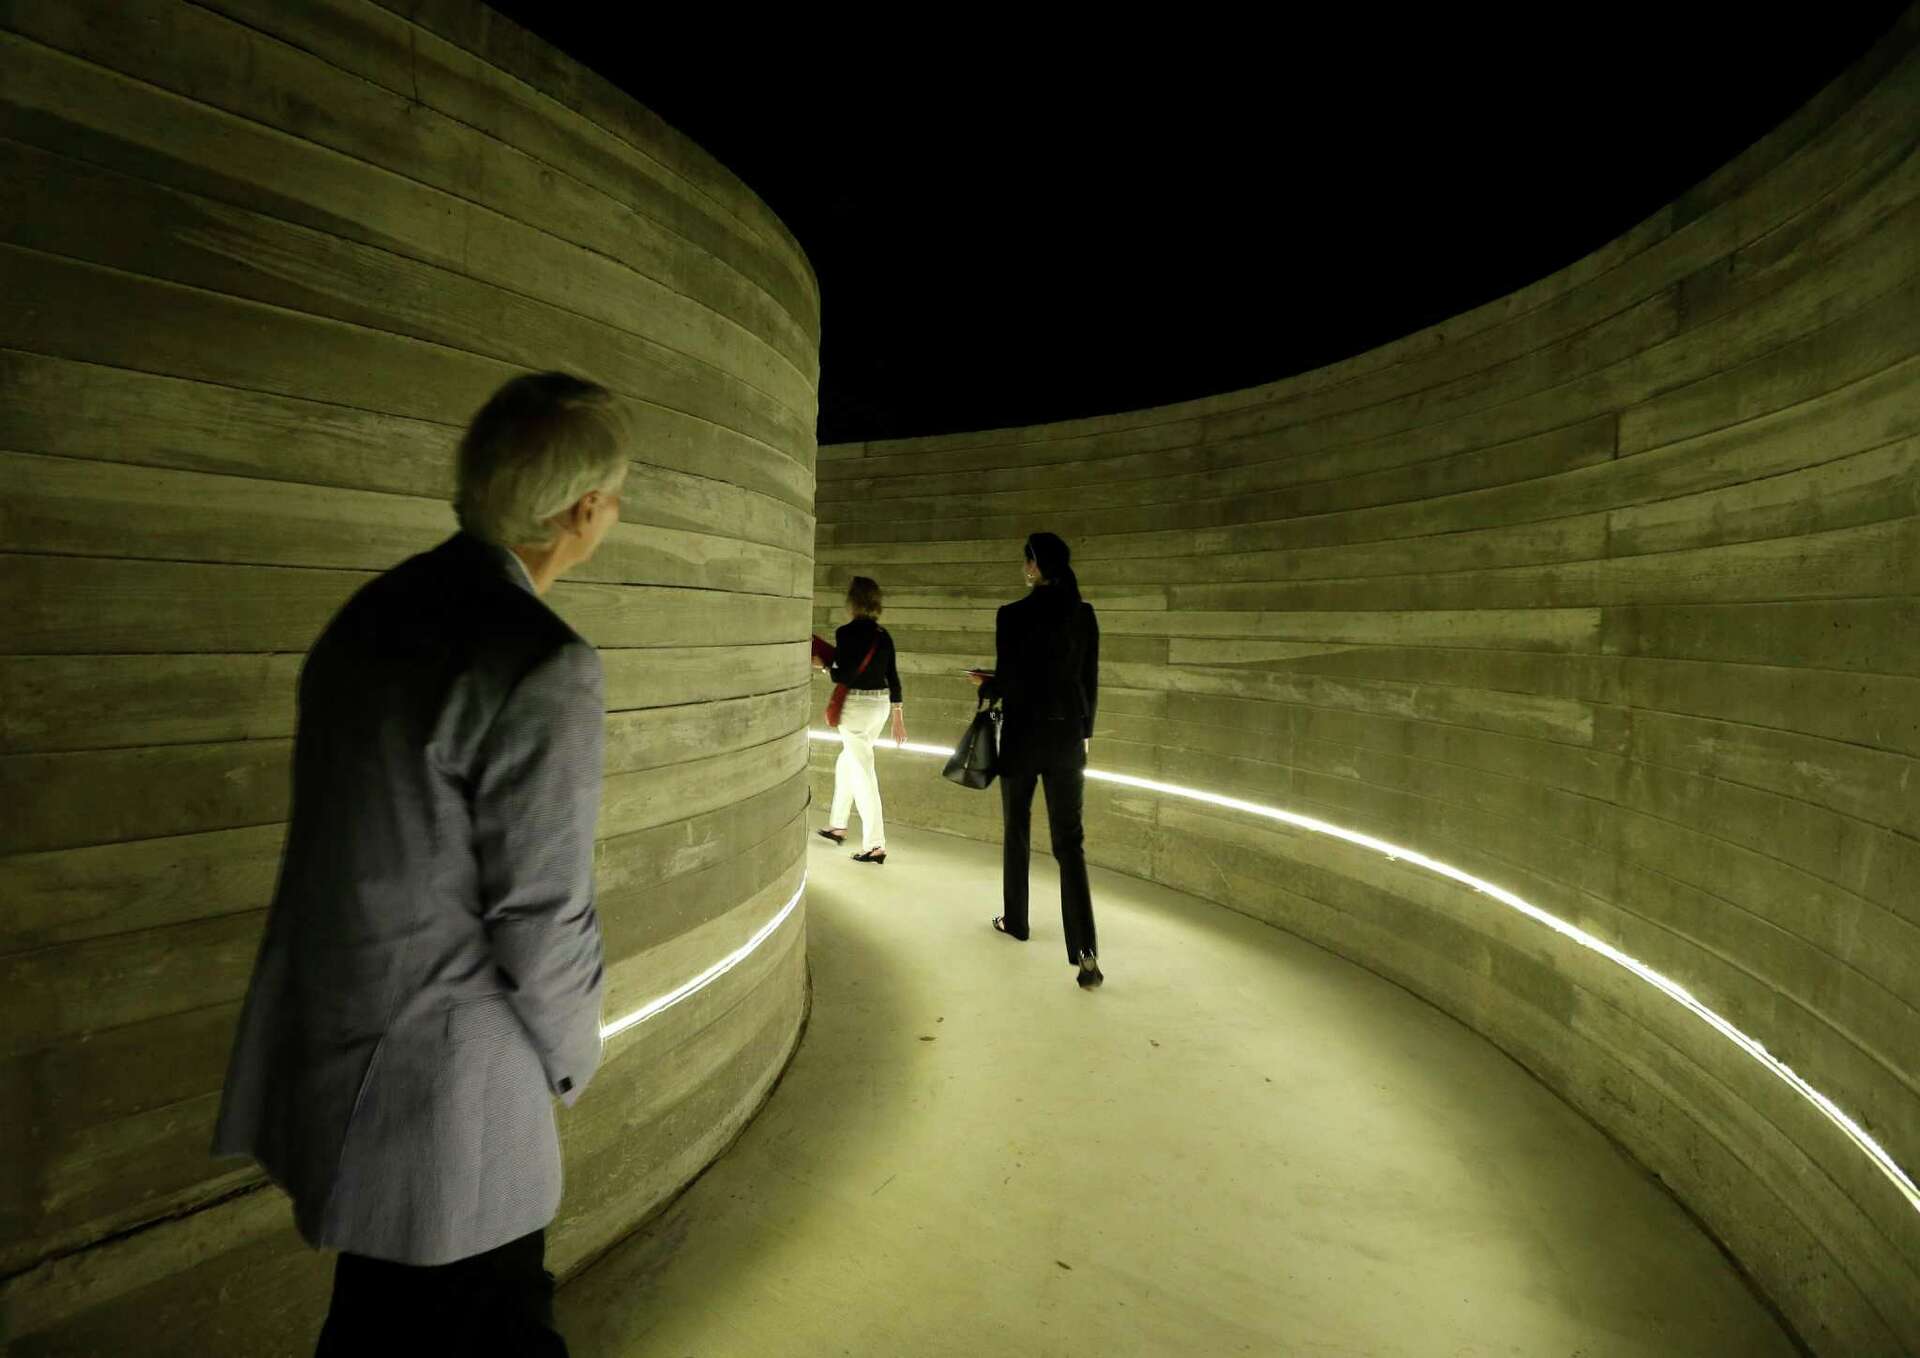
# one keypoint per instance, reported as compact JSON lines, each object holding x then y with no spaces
{"x":260,"y":263}
{"x":1603,"y":592}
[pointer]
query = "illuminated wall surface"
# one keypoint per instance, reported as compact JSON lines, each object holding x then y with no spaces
{"x":260,"y":262}
{"x":1604,"y":594}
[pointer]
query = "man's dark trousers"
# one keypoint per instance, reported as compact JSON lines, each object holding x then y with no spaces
{"x":500,"y":1302}
{"x":1066,"y":795}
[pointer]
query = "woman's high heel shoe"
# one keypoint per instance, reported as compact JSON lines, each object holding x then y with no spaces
{"x":1089,"y":976}
{"x":871,"y":856}
{"x":837,"y":836}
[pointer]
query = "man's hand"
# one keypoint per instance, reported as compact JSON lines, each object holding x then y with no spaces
{"x":899,"y":726}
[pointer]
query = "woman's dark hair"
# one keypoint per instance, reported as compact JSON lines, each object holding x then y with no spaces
{"x":1050,"y":556}
{"x":864,"y":595}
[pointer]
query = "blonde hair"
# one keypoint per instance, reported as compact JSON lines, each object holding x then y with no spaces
{"x":537,"y":446}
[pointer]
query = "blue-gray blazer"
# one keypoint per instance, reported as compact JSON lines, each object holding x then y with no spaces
{"x":430,"y":976}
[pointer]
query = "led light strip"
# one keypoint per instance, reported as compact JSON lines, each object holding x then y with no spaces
{"x":1752,"y":1046}
{"x":710,"y":975}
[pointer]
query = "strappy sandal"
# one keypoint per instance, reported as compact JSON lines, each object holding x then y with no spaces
{"x":875,"y":856}
{"x":840,"y":838}
{"x":1000,"y":927}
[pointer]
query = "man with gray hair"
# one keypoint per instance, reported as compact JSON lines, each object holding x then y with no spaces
{"x":430,"y":977}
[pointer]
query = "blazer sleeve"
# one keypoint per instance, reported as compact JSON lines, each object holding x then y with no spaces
{"x":1003,"y":658}
{"x":1090,"y":672}
{"x":535,"y":801}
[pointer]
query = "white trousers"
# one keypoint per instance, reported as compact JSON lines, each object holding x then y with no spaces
{"x":855,"y":784}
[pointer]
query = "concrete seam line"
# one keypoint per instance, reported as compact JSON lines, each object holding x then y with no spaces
{"x":1669,"y":987}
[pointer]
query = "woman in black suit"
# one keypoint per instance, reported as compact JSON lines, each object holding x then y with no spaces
{"x":1047,"y":676}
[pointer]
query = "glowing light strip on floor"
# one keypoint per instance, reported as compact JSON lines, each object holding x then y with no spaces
{"x":1752,"y":1046}
{"x":710,"y":975}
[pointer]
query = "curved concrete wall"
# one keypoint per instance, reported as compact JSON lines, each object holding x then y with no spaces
{"x":261,"y":263}
{"x":1604,"y":592}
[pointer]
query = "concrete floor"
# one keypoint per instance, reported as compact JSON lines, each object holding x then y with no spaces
{"x":1240,"y":1145}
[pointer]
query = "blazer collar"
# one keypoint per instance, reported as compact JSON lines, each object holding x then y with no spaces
{"x":483,"y":555}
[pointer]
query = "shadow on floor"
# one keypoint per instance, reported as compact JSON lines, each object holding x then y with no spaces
{"x":1241,"y":1144}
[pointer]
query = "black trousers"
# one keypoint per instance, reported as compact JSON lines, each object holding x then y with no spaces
{"x":1066,"y":786}
{"x":497,"y":1303}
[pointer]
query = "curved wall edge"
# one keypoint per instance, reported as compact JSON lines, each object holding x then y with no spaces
{"x":1602,"y":594}
{"x":275,"y":257}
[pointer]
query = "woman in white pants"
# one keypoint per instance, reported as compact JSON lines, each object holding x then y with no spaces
{"x":865,"y":662}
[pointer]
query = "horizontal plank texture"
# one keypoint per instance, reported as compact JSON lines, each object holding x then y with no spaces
{"x":262,"y":263}
{"x":1608,"y":593}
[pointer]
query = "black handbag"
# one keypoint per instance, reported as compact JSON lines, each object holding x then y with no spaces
{"x":976,"y":760}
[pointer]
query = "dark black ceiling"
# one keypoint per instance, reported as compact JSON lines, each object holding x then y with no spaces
{"x":1011,"y":229}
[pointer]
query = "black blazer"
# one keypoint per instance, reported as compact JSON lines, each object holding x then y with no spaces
{"x":1047,"y":676}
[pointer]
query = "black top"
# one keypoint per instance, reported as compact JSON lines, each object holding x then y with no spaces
{"x":850,"y":645}
{"x":1047,"y":676}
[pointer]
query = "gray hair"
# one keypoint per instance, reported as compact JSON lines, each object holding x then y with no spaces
{"x":540,"y":443}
